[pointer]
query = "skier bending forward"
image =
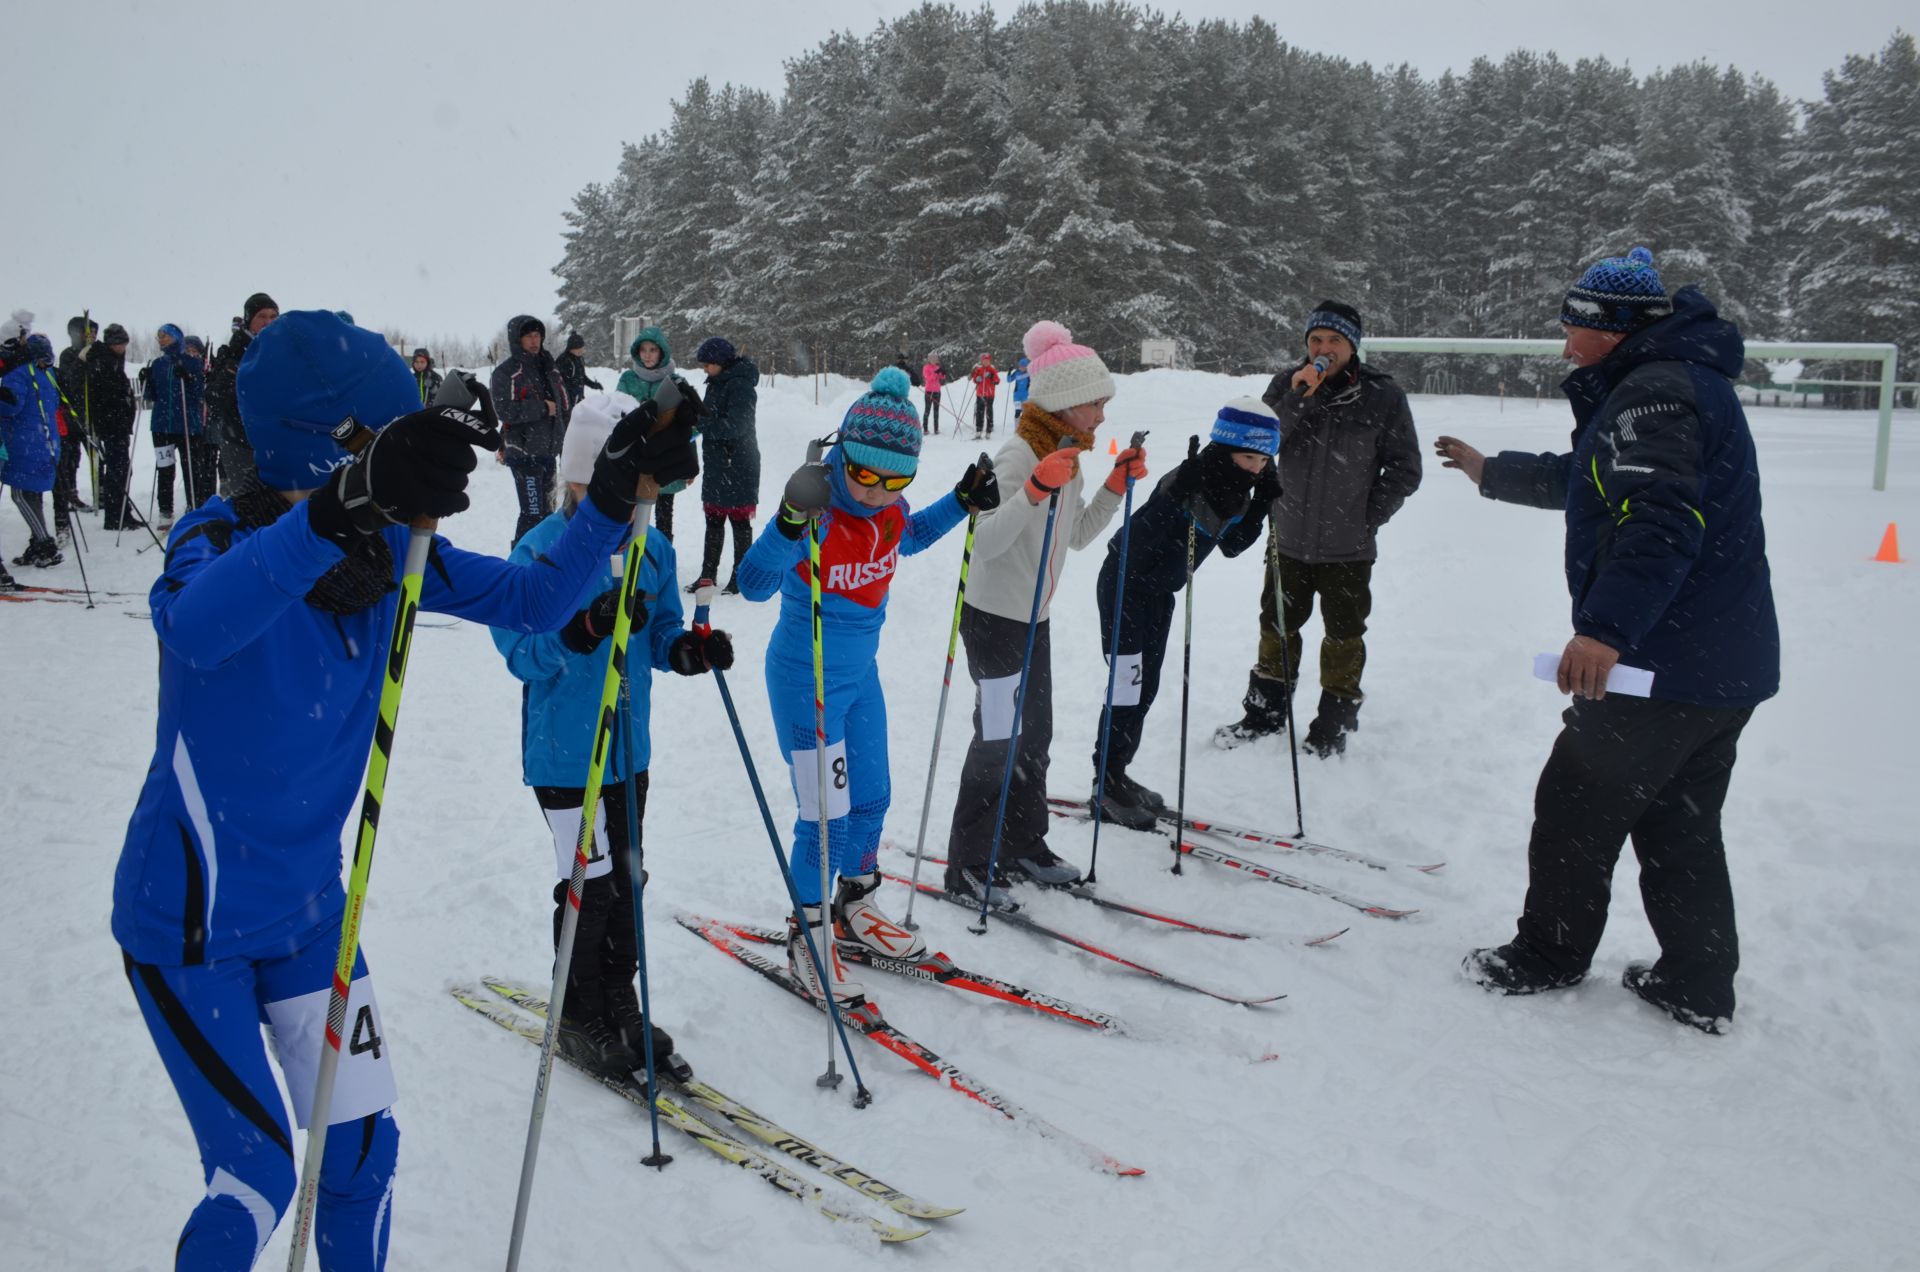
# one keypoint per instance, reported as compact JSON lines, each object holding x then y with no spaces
{"x":274,"y":613}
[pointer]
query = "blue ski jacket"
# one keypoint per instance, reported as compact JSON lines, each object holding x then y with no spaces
{"x":267,"y":708}
{"x":859,"y":551}
{"x":561,"y":711}
{"x":176,"y":389}
{"x":28,"y":428}
{"x":1666,"y":554}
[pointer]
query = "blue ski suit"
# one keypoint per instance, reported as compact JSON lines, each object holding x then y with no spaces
{"x":860,"y":548}
{"x":227,"y":898}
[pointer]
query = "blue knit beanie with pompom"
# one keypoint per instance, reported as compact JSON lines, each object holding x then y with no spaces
{"x":882,"y":430}
{"x":1620,"y":293}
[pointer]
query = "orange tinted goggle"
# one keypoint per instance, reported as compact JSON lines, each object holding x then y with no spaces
{"x":864,"y":476}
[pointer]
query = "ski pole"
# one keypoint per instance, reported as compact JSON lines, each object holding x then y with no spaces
{"x":1286,"y":662}
{"x":583,"y":850}
{"x":1186,"y":678}
{"x":1113,"y":660}
{"x":399,"y":645}
{"x":940,"y":718}
{"x":815,"y":532}
{"x":636,"y":877}
{"x":186,"y":445}
{"x":1019,"y":708}
{"x":79,"y":529}
{"x":703,"y":599}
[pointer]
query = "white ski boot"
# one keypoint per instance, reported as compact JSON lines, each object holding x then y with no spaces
{"x":850,"y":994}
{"x":856,"y":918}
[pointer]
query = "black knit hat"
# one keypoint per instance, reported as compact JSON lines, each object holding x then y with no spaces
{"x":575,"y":340}
{"x":115,"y":334}
{"x":422,"y":353}
{"x":1341,"y":319}
{"x":257,"y":302}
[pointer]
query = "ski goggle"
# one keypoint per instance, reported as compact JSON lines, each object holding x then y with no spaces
{"x":861,"y":475}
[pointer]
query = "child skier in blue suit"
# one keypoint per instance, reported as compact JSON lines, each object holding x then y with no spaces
{"x":564,"y":673}
{"x":274,"y":614}
{"x":865,"y":528}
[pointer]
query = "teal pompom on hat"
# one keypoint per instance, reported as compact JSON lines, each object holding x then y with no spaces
{"x":882,"y":430}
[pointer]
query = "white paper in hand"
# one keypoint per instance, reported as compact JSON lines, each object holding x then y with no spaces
{"x":1635,"y":682}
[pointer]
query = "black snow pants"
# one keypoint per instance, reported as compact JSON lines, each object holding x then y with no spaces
{"x":605,"y":944}
{"x":995,"y":648}
{"x":1142,"y":648}
{"x":1656,"y":772}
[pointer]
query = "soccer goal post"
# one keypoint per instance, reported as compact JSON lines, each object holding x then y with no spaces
{"x":1885,"y":355}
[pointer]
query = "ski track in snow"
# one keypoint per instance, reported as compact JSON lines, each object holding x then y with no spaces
{"x":1409,"y":1120}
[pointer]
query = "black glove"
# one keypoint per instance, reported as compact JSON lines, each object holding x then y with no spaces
{"x":808,"y":494}
{"x":1266,"y":487}
{"x":586,"y":629}
{"x":693,"y":653}
{"x":593,"y":384}
{"x":416,"y":466}
{"x":979,"y":488}
{"x":630,"y":454}
{"x":8,"y":396}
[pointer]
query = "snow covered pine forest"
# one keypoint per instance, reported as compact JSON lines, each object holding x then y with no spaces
{"x":934,"y":187}
{"x":1385,"y":1114}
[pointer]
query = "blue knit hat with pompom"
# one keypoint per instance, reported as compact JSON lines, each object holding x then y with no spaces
{"x":882,"y":430}
{"x":1621,"y":293}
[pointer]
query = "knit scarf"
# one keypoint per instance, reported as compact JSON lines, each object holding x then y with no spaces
{"x":1045,"y":433}
{"x":361,"y":579}
{"x":650,"y":377}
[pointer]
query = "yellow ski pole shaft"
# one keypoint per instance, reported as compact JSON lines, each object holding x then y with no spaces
{"x":399,"y":646}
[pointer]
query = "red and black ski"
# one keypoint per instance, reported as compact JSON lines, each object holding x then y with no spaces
{"x":867,"y":1020}
{"x":1081,"y":810}
{"x":1207,"y":852}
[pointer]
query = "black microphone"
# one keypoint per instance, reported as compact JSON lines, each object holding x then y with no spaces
{"x":1320,"y":365}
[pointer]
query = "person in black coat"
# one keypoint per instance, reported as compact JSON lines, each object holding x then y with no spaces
{"x":110,"y":399}
{"x":1666,"y":563}
{"x":572,"y":365}
{"x":426,"y":380}
{"x":78,"y":437}
{"x":533,"y":407}
{"x":1222,"y":495}
{"x":224,"y":427}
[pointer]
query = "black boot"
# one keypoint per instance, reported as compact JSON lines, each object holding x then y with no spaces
{"x":1266,"y":712}
{"x":623,"y":1013}
{"x":1336,"y":718}
{"x":1514,"y":969}
{"x":1649,"y":985}
{"x":593,"y":1042}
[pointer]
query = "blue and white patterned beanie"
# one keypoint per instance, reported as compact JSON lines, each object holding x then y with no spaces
{"x":1621,"y":293}
{"x":881,"y":429}
{"x":1247,"y":424}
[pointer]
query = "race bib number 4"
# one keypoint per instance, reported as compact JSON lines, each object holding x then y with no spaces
{"x":363,"y":1083}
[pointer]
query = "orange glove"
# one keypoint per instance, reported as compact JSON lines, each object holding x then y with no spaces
{"x":1132,"y":463}
{"x":1051,"y":473}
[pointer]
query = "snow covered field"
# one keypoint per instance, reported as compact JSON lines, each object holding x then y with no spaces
{"x":1408,"y":1120}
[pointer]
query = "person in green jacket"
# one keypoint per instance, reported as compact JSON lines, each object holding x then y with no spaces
{"x":652,"y":365}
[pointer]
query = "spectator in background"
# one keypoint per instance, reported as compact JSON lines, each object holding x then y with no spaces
{"x":933,"y":377}
{"x":175,"y":396}
{"x":114,"y":408}
{"x":532,"y":403}
{"x":224,"y":427}
{"x":653,"y":363}
{"x":986,"y":381}
{"x":573,"y":371}
{"x":729,"y":454}
{"x":425,"y":378}
{"x":76,"y":433}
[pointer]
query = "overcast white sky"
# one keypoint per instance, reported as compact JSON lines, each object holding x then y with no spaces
{"x":410,"y":160}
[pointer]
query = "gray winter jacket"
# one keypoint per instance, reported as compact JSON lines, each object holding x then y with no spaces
{"x":521,"y":387}
{"x":1347,"y":462}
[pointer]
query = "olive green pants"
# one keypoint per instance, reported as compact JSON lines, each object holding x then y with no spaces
{"x":1345,"y":589}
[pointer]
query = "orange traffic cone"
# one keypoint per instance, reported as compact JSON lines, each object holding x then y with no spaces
{"x":1889,"y":545}
{"x":1113,"y":446}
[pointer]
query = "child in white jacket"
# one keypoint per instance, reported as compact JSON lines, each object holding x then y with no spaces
{"x":1069,"y":393}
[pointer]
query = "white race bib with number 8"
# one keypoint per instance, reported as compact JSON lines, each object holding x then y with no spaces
{"x":805,"y":768}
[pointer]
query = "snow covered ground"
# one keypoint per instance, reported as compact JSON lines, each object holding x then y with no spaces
{"x":1408,"y":1120}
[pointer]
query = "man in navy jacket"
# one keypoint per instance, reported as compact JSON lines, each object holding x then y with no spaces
{"x":1666,"y":563}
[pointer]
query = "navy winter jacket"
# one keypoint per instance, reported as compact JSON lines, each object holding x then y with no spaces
{"x":1666,"y":554}
{"x":176,"y":390}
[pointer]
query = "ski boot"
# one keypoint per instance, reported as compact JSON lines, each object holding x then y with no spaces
{"x":969,"y":885}
{"x":1336,"y":718}
{"x":850,"y":994}
{"x":1266,"y":713}
{"x":1047,"y":870}
{"x":7,"y":582}
{"x":1651,"y":987}
{"x":697,"y":584}
{"x":593,"y":1042}
{"x":40,"y":554}
{"x":1511,"y":969}
{"x":1136,"y":794}
{"x":1119,"y":808}
{"x":623,"y":1013}
{"x":857,"y":919}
